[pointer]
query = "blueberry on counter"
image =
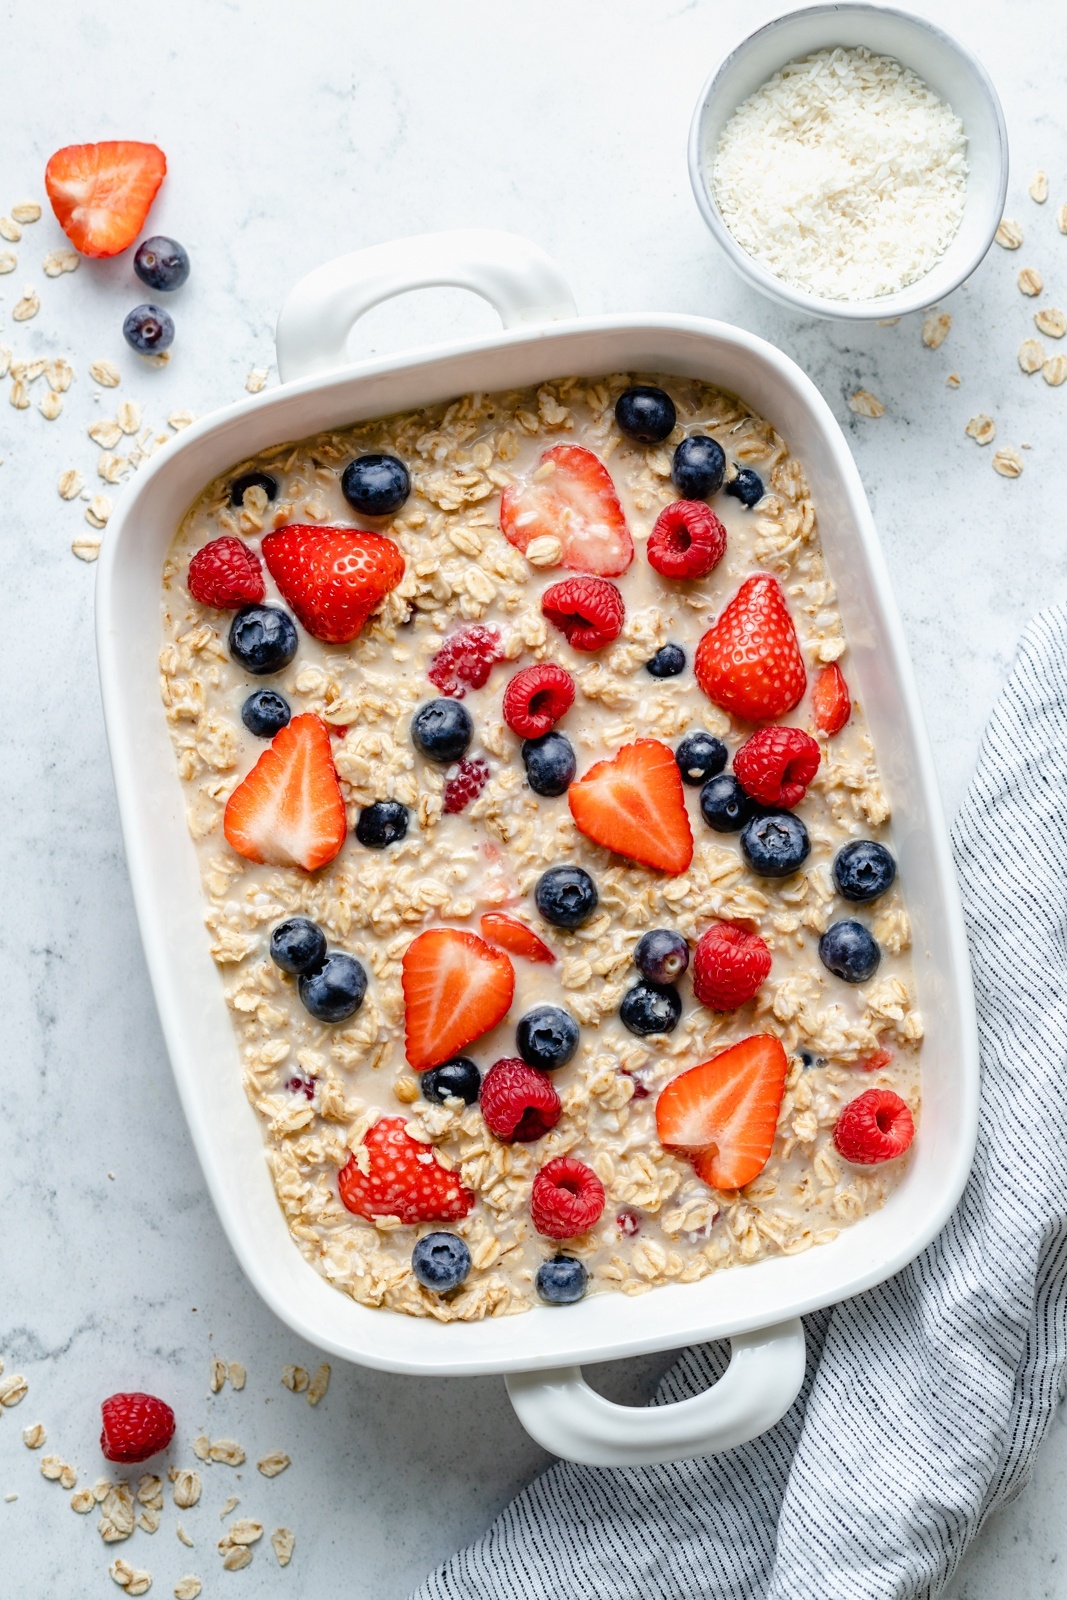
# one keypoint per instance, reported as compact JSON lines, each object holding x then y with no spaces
{"x":724,"y":805}
{"x":700,"y":756}
{"x":149,"y":330}
{"x":650,"y":1008}
{"x":561,"y":1281}
{"x":747,"y":487}
{"x":863,"y":870}
{"x":661,"y":955}
{"x":645,"y":413}
{"x":252,"y":480}
{"x":265,"y":713}
{"x":382,"y":823}
{"x":668,"y":661}
{"x":263,"y":639}
{"x":775,"y":845}
{"x":162,"y":263}
{"x":566,"y":896}
{"x":458,"y":1079}
{"x":440,"y":1261}
{"x":442,"y":730}
{"x":335,"y":989}
{"x":547,"y":1037}
{"x":376,"y":486}
{"x":699,"y":467}
{"x":297,"y":945}
{"x":849,"y":951}
{"x":550,"y":763}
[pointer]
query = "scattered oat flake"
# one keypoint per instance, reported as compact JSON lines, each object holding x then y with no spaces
{"x":9,"y":1499}
{"x":105,"y":373}
{"x":59,"y":372}
{"x":181,"y":419}
{"x":319,"y":1383}
{"x":1055,"y":370}
{"x":1031,"y":355}
{"x":866,"y":404}
{"x":132,"y":1579}
{"x":244,"y":1531}
{"x":1061,"y":219}
{"x":56,"y":262}
{"x":5,"y":368}
{"x":13,"y":1389}
{"x":150,"y":1489}
{"x":1051,"y":320}
{"x":936,"y":329}
{"x":1039,"y":187}
{"x":129,"y":416}
{"x":256,"y":381}
{"x":1030,"y":281}
{"x":71,"y":483}
{"x":116,"y":1514}
{"x":231,"y":1504}
{"x":184,"y":1537}
{"x":1009,"y":235}
{"x":1008,"y":462}
{"x":105,"y":432}
{"x":82,"y":1501}
{"x":295,"y":1379}
{"x":56,"y":1470}
{"x":953,"y":380}
{"x":235,"y":1556}
{"x":27,"y":307}
{"x":283,"y":1541}
{"x":8,"y":261}
{"x":227,"y":1452}
{"x":26,"y":211}
{"x":10,"y":230}
{"x":237,"y":1375}
{"x":218,"y":1375}
{"x":274,"y":1463}
{"x":51,"y":405}
{"x":157,"y":361}
{"x":187,"y":1588}
{"x":34,"y":1436}
{"x":981,"y":428}
{"x":98,"y":510}
{"x":20,"y":395}
{"x":202,"y":1447}
{"x":187,"y":1488}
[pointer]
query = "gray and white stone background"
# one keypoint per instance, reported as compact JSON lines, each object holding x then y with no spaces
{"x":293,"y":134}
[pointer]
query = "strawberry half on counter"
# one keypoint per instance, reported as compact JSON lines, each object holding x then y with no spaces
{"x":455,"y":989}
{"x":332,"y":577}
{"x":403,"y":1179}
{"x":289,"y":811}
{"x":634,"y":804}
{"x":749,"y":661}
{"x":101,"y":193}
{"x":570,"y":497}
{"x":723,"y":1113}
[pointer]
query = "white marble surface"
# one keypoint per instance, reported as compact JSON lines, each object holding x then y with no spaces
{"x":291,"y":141}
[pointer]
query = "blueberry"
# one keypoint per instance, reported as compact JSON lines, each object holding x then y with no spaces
{"x":746,"y":487}
{"x":650,"y":1008}
{"x":724,"y":805}
{"x":263,"y":639}
{"x":442,"y":730}
{"x":699,"y":467}
{"x":161,"y":263}
{"x":566,"y":896}
{"x":381,"y":824}
{"x":458,"y":1079}
{"x":376,"y":486}
{"x":440,"y":1261}
{"x":298,"y":945}
{"x":849,"y":951}
{"x":863,"y":870}
{"x":561,"y":1281}
{"x":547,"y":1037}
{"x":336,"y":989}
{"x":808,"y":1060}
{"x":661,"y":956}
{"x":265,"y":713}
{"x":550,"y":763}
{"x":252,"y":480}
{"x":776,"y":844}
{"x":667,"y":662}
{"x":645,"y":413}
{"x":148,"y":330}
{"x":700,"y":756}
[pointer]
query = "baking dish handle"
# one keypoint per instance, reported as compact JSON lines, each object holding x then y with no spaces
{"x":566,"y":1416}
{"x":522,"y":284}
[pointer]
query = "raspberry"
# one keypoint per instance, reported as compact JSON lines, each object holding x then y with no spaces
{"x":776,"y":765}
{"x":877,"y":1126}
{"x":536,"y":698}
{"x":628,"y":1223}
{"x":136,"y":1426}
{"x":226,"y":574}
{"x":466,"y":781}
{"x":688,"y":540}
{"x":518,"y":1104}
{"x":404,"y":1179}
{"x":729,"y":966}
{"x":567,"y":1198}
{"x":588,"y":611}
{"x":465,"y":660}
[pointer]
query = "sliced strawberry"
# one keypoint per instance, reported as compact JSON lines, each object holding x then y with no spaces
{"x":404,"y":1179}
{"x":634,"y":804}
{"x":749,"y":662}
{"x":455,"y":989}
{"x":289,"y":812}
{"x":514,"y":936}
{"x":723,"y":1113}
{"x":572,"y":498}
{"x":830,"y":700}
{"x":332,"y":577}
{"x":101,"y":193}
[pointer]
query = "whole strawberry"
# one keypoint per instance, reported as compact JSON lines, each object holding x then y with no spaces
{"x":729,"y":966}
{"x":403,"y":1179}
{"x":136,"y":1426}
{"x":332,"y":577}
{"x":776,"y":765}
{"x":226,"y":574}
{"x":749,"y":662}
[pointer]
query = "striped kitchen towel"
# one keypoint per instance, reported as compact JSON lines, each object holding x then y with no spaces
{"x":927,"y":1399}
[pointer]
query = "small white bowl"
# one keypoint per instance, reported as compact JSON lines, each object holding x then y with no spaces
{"x":944,"y":65}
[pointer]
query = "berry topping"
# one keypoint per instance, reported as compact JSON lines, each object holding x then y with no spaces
{"x":550,"y":763}
{"x":263,"y":639}
{"x":455,"y":989}
{"x":442,"y":730}
{"x":376,"y":486}
{"x":458,"y":1079}
{"x":519,"y":1105}
{"x":252,"y":480}
{"x":162,"y":263}
{"x":650,"y":1008}
{"x":749,"y":662}
{"x":775,"y":766}
{"x":628,"y":1224}
{"x":101,"y":193}
{"x":464,"y":784}
{"x":746,"y":486}
{"x":775,"y":845}
{"x":645,"y":413}
{"x":297,"y":945}
{"x":850,"y":951}
{"x":567,"y":1198}
{"x":661,"y":955}
{"x":566,"y":896}
{"x":571,"y":498}
{"x":333,"y":578}
{"x":634,"y":804}
{"x":876,"y":1126}
{"x":546,"y":1037}
{"x":830,"y":700}
{"x":440,"y":1261}
{"x":381,"y":824}
{"x":404,"y":1179}
{"x":226,"y":574}
{"x":668,"y":662}
{"x":515,"y":937}
{"x":688,"y":540}
{"x":465,"y":660}
{"x":561,"y":1281}
{"x":334,"y":990}
{"x":863,"y":870}
{"x":699,"y":467}
{"x":588,"y":611}
{"x":724,"y":805}
{"x":289,"y":811}
{"x":875,"y":1061}
{"x":265,"y":713}
{"x":729,"y":966}
{"x":700,"y":756}
{"x":300,"y":1085}
{"x":148,"y":329}
{"x":136,"y":1426}
{"x":536,"y":698}
{"x":723,"y":1113}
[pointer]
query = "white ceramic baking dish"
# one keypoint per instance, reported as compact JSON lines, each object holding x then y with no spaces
{"x":756,"y":1307}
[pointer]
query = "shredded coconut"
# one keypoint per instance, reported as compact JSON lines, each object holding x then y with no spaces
{"x":844,"y":175}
